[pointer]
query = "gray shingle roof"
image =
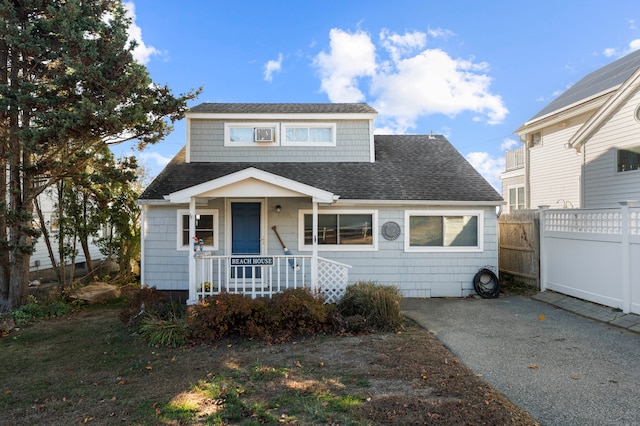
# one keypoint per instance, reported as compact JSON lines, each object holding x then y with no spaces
{"x":596,"y":82}
{"x":412,"y":167}
{"x":283,"y":108}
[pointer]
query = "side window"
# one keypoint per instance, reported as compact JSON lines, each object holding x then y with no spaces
{"x":206,"y":229}
{"x":443,"y":231}
{"x":628,"y":159}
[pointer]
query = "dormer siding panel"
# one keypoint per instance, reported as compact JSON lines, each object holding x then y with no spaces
{"x":206,"y":144}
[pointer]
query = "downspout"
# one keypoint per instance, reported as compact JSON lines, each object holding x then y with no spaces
{"x":527,"y":167}
{"x":192,"y":253}
{"x":143,"y":236}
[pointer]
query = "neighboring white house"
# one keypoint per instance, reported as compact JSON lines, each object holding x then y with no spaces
{"x":583,"y":149}
{"x":349,"y":206}
{"x":40,"y":264}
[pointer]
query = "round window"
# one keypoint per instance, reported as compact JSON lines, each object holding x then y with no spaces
{"x":637,"y":114}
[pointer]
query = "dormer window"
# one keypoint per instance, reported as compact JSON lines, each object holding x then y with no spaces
{"x":306,"y":134}
{"x":250,"y":134}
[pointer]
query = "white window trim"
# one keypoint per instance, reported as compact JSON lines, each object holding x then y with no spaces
{"x":229,"y":126}
{"x":509,"y":188}
{"x":286,"y":126}
{"x":216,"y":229}
{"x":339,"y":247}
{"x":407,"y":240}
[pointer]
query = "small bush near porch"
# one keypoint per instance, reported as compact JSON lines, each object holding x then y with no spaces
{"x":366,"y":306}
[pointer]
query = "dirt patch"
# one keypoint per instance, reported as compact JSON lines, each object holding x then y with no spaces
{"x":88,"y":368}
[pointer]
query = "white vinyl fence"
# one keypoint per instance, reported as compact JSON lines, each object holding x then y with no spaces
{"x":592,"y":254}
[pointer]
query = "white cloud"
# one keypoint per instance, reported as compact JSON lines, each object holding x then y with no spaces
{"x":490,"y":168}
{"x":350,"y":57}
{"x":271,"y":67}
{"x":413,"y":82}
{"x":141,"y":53}
{"x":509,"y":144}
{"x":440,"y":33}
{"x":631,"y":47}
{"x":157,"y":158}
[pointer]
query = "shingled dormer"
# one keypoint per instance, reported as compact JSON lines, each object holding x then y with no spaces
{"x":223,"y":132}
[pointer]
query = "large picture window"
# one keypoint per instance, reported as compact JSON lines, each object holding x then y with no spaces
{"x":340,"y":230}
{"x":443,"y":231}
{"x":206,"y":229}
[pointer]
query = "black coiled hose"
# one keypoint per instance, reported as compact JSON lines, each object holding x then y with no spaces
{"x":486,"y":284}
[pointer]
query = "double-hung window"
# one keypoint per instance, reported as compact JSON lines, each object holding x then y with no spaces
{"x":340,"y":230}
{"x":206,"y":229}
{"x":306,"y":134}
{"x":440,"y":231}
{"x":516,"y":198}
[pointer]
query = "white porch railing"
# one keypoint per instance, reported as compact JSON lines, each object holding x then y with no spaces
{"x":262,"y":276}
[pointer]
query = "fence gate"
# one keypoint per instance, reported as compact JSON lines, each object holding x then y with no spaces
{"x":519,"y":246}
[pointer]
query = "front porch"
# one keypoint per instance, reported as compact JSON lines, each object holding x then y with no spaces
{"x":262,"y":276}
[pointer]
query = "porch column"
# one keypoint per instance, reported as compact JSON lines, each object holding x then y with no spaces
{"x":192,"y":253}
{"x":314,"y":252}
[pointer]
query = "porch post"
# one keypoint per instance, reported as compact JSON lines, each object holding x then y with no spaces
{"x":192,"y":253}
{"x":314,"y":252}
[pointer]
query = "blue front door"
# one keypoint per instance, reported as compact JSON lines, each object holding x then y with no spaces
{"x":245,"y":233}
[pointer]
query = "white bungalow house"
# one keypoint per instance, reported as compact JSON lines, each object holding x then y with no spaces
{"x":583,"y":149}
{"x":348,"y":206}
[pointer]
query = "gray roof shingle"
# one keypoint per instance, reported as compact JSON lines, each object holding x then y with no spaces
{"x":596,"y":82}
{"x":283,"y":108}
{"x":408,"y":167}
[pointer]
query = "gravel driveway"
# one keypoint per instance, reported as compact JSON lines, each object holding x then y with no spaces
{"x":562,"y":368}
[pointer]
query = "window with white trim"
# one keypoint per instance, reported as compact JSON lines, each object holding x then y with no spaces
{"x":251,"y":134}
{"x":516,"y":198}
{"x":437,"y":231}
{"x":306,"y":134}
{"x":206,"y":229}
{"x":340,"y":230}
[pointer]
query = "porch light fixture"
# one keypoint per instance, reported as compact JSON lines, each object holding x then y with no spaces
{"x":278,"y":208}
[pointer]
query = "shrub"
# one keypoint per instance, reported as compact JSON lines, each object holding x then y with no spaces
{"x":34,"y":311}
{"x":379,"y":305}
{"x":298,"y":311}
{"x":147,"y":301}
{"x":219,"y":316}
{"x":161,"y":332}
{"x":292,"y":312}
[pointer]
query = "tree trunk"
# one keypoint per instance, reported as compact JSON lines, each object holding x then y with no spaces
{"x":4,"y":123}
{"x":47,"y":239}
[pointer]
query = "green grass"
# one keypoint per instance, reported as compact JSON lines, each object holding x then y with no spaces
{"x":88,"y":367}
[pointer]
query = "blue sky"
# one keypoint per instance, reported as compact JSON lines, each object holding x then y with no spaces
{"x":473,"y":71}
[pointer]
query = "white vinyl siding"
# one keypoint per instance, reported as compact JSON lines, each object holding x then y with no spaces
{"x":604,"y":185}
{"x":554,"y":171}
